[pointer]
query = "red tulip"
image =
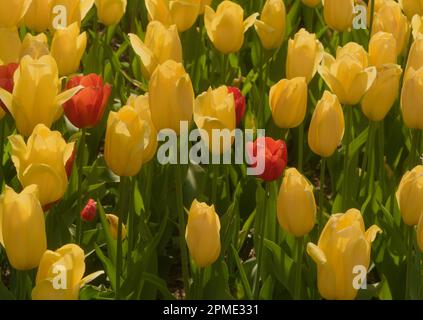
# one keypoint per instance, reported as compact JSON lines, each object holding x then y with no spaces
{"x":89,"y":211}
{"x":239,"y":103}
{"x":86,"y":108}
{"x":6,"y":79}
{"x":275,"y":155}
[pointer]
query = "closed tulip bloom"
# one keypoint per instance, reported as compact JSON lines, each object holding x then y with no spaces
{"x":412,"y":99}
{"x":409,"y":195}
{"x":6,"y":82}
{"x":215,"y":110}
{"x":288,"y":102}
{"x":311,"y":3}
{"x":41,"y":161}
{"x":89,"y":212}
{"x":10,"y":45}
{"x":417,"y":26}
{"x":76,"y":10}
{"x":67,"y":48}
{"x":327,"y":126}
{"x":161,"y":44}
{"x":305,"y":53}
{"x":168,"y":110}
{"x":381,"y":96}
{"x":420,"y":233}
{"x":354,"y":51}
{"x":113,"y":221}
{"x":239,"y":103}
{"x":60,"y":274}
{"x":86,"y":108}
{"x":34,"y":46}
{"x":271,"y":26}
{"x":38,"y":16}
{"x":226,"y":26}
{"x":142,"y":105}
{"x":22,"y":228}
{"x":415,"y":56}
{"x":296,"y":206}
{"x":203,"y":234}
{"x":339,"y":14}
{"x":12,"y":12}
{"x":125,"y":140}
{"x":343,"y":244}
{"x":110,"y":12}
{"x":382,"y":49}
{"x":412,"y":7}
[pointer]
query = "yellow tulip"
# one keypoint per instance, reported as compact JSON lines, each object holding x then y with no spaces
{"x":34,"y":46}
{"x":67,"y":48}
{"x":389,"y":18}
{"x":42,"y":162}
{"x":126,"y":136}
{"x":161,"y":44}
{"x":420,"y":233}
{"x":288,"y":102}
{"x":12,"y":12}
{"x":327,"y":126}
{"x":355,"y":51}
{"x":183,"y":13}
{"x":110,"y":12}
{"x":305,"y":53}
{"x":409,"y":195}
{"x":60,"y":274}
{"x":412,"y":7}
{"x":203,"y":234}
{"x":382,"y":49}
{"x":113,"y":221}
{"x":142,"y":106}
{"x":168,"y":110}
{"x":417,"y":26}
{"x":296,"y":206}
{"x":381,"y":96}
{"x":344,"y":245}
{"x":10,"y":45}
{"x":76,"y":10}
{"x":412,"y":99}
{"x":226,"y":27}
{"x":36,"y":97}
{"x":339,"y":14}
{"x":22,"y":228}
{"x":38,"y":16}
{"x":311,"y":3}
{"x":271,"y":26}
{"x":203,"y":4}
{"x":415,"y":56}
{"x":215,"y":109}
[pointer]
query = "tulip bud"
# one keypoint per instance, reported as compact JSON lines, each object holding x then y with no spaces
{"x":275,"y":156}
{"x":239,"y":103}
{"x":311,"y":3}
{"x":114,"y":224}
{"x":41,"y":161}
{"x":339,"y":14}
{"x":417,"y":26}
{"x":38,"y":16}
{"x":327,"y":126}
{"x":86,"y":108}
{"x":89,"y":211}
{"x":110,"y":12}
{"x":381,"y":96}
{"x":409,"y":195}
{"x":415,"y":56}
{"x":161,"y":44}
{"x":34,"y":46}
{"x":288,"y":102}
{"x":412,"y":99}
{"x":168,"y":110}
{"x":412,"y":7}
{"x":343,"y":245}
{"x":6,"y":82}
{"x":11,"y":13}
{"x":305,"y":53}
{"x":203,"y":234}
{"x":59,"y":276}
{"x":226,"y":26}
{"x":271,"y":27}
{"x":420,"y":233}
{"x":22,"y":229}
{"x":382,"y":49}
{"x":10,"y":45}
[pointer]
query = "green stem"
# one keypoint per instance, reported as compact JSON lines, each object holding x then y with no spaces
{"x":348,"y":118}
{"x":300,"y":146}
{"x":410,"y":232}
{"x":381,"y":142}
{"x":371,"y":158}
{"x":298,"y":272}
{"x":321,"y":195}
{"x":412,"y":156}
{"x":80,"y":167}
{"x":365,"y":162}
{"x":215,"y":176}
{"x":223,"y":69}
{"x":199,"y":285}
{"x":131,"y":226}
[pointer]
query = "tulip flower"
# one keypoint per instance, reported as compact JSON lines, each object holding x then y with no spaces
{"x":86,"y":108}
{"x":110,"y":12}
{"x":183,"y":13}
{"x":41,"y":161}
{"x":38,"y":16}
{"x":343,"y":245}
{"x":34,"y":46}
{"x":271,"y":26}
{"x":288,"y":102}
{"x":339,"y":14}
{"x":239,"y":103}
{"x":60,"y":273}
{"x":412,"y":7}
{"x":6,"y":82}
{"x":409,"y":195}
{"x":22,"y":229}
{"x":417,"y":26}
{"x":11,"y":13}
{"x":296,"y":206}
{"x":305,"y":53}
{"x":420,"y":233}
{"x":113,"y":221}
{"x":311,"y":3}
{"x":215,"y":110}
{"x":382,"y":49}
{"x":10,"y":45}
{"x":226,"y":26}
{"x":203,"y":234}
{"x":381,"y":96}
{"x":411,"y":98}
{"x":168,"y":110}
{"x":89,"y":212}
{"x":275,"y":156}
{"x":67,"y":48}
{"x":203,"y":4}
{"x":161,"y":44}
{"x":76,"y":10}
{"x":126,"y":136}
{"x":415,"y":56}
{"x":327,"y":126}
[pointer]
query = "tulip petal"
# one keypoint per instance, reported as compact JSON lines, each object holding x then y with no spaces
{"x":85,"y":6}
{"x":372,"y":232}
{"x":90,"y":278}
{"x":209,"y":16}
{"x":44,"y":290}
{"x":146,"y":55}
{"x":6,"y":97}
{"x":316,"y":254}
{"x":250,"y":21}
{"x":67,"y":95}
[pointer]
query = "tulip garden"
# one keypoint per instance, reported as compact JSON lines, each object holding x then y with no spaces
{"x":113,"y":184}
